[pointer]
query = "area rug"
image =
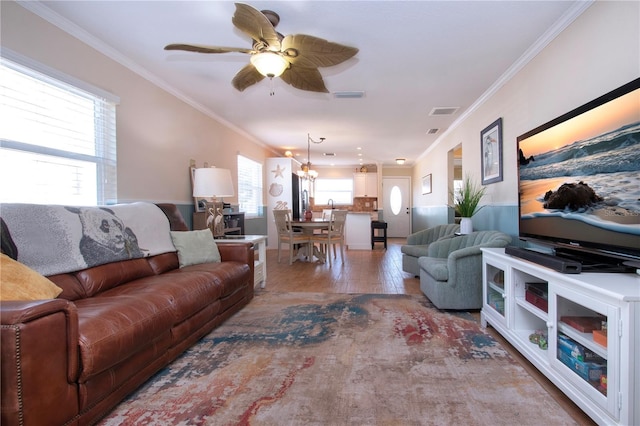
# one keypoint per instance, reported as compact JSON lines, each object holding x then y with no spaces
{"x":340,"y":359}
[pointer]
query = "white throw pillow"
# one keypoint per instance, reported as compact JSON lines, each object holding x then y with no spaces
{"x":195,"y":247}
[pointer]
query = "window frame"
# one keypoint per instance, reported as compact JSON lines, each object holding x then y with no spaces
{"x":257,"y":191}
{"x":338,"y":200}
{"x":102,"y":150}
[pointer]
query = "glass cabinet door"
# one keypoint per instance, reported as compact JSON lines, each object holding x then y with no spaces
{"x":495,"y":293}
{"x":585,"y":339}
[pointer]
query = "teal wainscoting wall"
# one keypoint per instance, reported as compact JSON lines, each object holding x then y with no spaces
{"x":186,"y":210}
{"x":502,"y":218}
{"x":256,"y":225}
{"x":426,"y":217}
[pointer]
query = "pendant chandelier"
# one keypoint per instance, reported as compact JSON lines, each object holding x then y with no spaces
{"x":305,"y":171}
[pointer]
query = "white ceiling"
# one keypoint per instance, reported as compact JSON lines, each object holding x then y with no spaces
{"x":414,"y":56}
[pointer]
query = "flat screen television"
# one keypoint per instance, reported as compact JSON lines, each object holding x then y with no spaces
{"x":579,"y":179}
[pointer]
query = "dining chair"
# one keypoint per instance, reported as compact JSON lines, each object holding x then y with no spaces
{"x":326,"y":216}
{"x":287,"y":235}
{"x":334,"y":235}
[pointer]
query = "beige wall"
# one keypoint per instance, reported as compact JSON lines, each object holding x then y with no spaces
{"x":597,"y":53}
{"x":157,"y":133}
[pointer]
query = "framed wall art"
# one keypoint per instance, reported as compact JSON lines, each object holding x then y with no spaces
{"x":491,"y":149}
{"x":426,"y":184}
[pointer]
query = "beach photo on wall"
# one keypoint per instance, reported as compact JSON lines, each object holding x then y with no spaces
{"x":579,"y":177}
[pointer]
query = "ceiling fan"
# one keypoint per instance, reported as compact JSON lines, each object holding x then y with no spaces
{"x":294,"y":58}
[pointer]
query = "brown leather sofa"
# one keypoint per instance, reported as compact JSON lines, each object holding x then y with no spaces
{"x":72,"y":359}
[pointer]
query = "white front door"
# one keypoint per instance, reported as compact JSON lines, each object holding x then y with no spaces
{"x":397,"y":208}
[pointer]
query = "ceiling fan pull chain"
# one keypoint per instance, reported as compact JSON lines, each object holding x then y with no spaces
{"x":272,"y":90}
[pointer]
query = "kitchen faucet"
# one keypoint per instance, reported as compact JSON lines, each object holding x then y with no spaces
{"x":330,"y":201}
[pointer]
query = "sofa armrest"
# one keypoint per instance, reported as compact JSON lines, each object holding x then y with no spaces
{"x":39,"y":361}
{"x":240,"y":252}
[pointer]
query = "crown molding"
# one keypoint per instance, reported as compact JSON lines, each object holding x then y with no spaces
{"x":74,"y":30}
{"x":538,"y":46}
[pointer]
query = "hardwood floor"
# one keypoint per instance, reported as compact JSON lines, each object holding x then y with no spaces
{"x":379,"y":272}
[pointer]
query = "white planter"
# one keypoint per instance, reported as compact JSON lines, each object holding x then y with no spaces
{"x":466,"y":226}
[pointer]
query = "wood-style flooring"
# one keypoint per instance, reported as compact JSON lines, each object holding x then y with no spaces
{"x":380,"y":272}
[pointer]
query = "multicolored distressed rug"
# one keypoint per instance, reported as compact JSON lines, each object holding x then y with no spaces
{"x":339,"y":359}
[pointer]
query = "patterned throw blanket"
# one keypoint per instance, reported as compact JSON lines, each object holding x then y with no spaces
{"x":55,"y":239}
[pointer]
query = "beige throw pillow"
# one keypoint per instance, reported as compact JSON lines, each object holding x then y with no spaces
{"x":19,"y":282}
{"x":195,"y":247}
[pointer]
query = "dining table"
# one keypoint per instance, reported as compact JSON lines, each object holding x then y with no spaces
{"x":309,"y":226}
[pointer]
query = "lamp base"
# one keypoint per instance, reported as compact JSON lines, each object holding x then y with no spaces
{"x":215,"y":220}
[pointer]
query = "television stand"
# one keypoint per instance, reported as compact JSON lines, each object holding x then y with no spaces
{"x":522,"y":298}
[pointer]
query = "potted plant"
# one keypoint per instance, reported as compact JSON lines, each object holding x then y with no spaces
{"x":466,"y":202}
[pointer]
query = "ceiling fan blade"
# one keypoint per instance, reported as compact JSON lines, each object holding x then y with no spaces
{"x":246,"y":77}
{"x":200,"y":48}
{"x":252,"y":22}
{"x":308,"y":79}
{"x":309,"y":51}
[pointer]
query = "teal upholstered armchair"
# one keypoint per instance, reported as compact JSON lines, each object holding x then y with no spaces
{"x":418,"y":245}
{"x":451,"y":274}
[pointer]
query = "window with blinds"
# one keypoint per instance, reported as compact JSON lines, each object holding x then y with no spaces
{"x":57,"y":141}
{"x":338,"y":190}
{"x":249,"y":186}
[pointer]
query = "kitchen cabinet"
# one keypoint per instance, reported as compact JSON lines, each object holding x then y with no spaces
{"x":365,"y":185}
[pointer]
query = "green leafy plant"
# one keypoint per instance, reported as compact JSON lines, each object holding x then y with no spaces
{"x":466,"y":200}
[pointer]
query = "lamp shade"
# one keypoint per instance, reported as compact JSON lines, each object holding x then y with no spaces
{"x":269,"y":64}
{"x":212,"y":182}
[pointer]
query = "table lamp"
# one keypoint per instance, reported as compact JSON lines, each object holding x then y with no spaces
{"x":212,"y":182}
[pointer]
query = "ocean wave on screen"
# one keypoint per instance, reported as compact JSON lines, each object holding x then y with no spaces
{"x":621,"y":190}
{"x":589,"y":219}
{"x":616,"y":151}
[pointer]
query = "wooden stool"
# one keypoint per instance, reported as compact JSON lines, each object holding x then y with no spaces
{"x":378,"y":224}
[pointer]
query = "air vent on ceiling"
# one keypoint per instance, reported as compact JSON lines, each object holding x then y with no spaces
{"x":444,"y":111}
{"x":354,"y":94}
{"x":329,"y":154}
{"x":432,"y":131}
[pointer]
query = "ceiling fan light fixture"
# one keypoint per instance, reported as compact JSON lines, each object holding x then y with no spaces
{"x":269,"y":64}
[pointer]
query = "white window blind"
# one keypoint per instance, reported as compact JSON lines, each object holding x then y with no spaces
{"x":338,"y":190}
{"x":57,"y":141}
{"x":249,"y":186}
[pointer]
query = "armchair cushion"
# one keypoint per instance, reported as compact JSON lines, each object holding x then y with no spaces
{"x":437,"y":268}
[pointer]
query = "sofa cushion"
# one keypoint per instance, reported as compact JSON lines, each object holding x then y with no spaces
{"x":112,"y":329}
{"x":195,"y":247}
{"x":18,"y":282}
{"x":230,"y":275}
{"x":186,"y":291}
{"x":101,"y":278}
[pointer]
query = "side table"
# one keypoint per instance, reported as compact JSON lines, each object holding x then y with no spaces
{"x":260,"y":254}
